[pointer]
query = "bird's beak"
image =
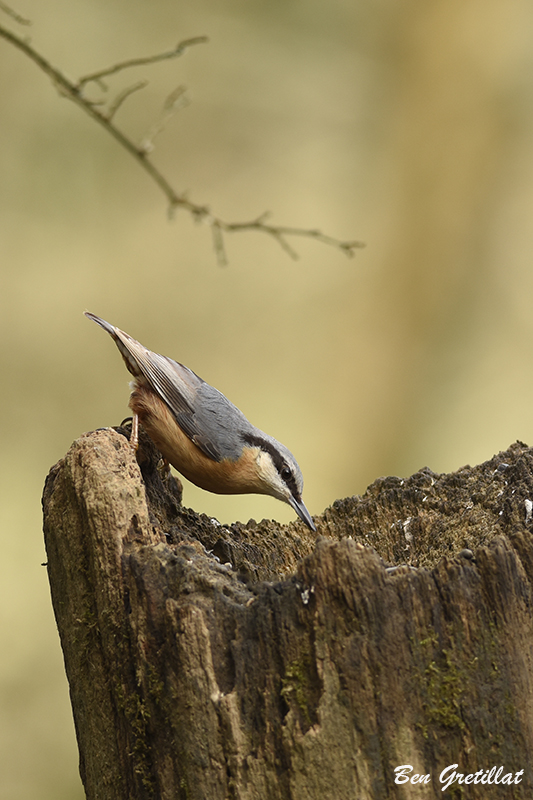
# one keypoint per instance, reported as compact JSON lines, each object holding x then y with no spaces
{"x":302,"y":512}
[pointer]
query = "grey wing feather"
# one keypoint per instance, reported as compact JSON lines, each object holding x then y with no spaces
{"x":217,"y":420}
{"x":179,"y":387}
{"x":204,"y":414}
{"x":174,"y":383}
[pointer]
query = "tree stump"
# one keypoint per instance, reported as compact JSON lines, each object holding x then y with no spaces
{"x":258,"y":661}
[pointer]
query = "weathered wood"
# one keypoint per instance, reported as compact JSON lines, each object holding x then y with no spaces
{"x":304,"y":669}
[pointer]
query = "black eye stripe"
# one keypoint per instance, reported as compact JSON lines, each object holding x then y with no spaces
{"x":279,"y":462}
{"x":291,"y":484}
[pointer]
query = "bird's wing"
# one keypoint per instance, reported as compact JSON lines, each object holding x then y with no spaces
{"x":179,"y":387}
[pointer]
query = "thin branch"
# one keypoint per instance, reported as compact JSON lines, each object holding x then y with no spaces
{"x":70,"y":90}
{"x":73,"y":91}
{"x":280,"y":231}
{"x":218,"y":245}
{"x":13,"y":14}
{"x":138,"y":62}
{"x":176,"y":100}
{"x":122,"y":96}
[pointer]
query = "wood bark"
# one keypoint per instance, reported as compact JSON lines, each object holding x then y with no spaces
{"x":209,"y":662}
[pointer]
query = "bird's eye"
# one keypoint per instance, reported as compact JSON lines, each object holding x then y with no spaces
{"x":286,"y":473}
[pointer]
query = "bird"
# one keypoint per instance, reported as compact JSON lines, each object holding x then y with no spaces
{"x":201,"y":433}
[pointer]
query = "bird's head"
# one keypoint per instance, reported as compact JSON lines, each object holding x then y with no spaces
{"x":279,"y":474}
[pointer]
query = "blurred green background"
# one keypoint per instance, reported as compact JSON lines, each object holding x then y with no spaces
{"x":408,"y":125}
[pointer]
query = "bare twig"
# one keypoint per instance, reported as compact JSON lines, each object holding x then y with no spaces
{"x":280,"y":231}
{"x":13,"y":14}
{"x":74,"y":92}
{"x":138,"y":62}
{"x":122,"y":96}
{"x":218,"y":245}
{"x":172,"y":104}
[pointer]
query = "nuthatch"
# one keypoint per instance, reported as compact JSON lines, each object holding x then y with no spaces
{"x":204,"y":436}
